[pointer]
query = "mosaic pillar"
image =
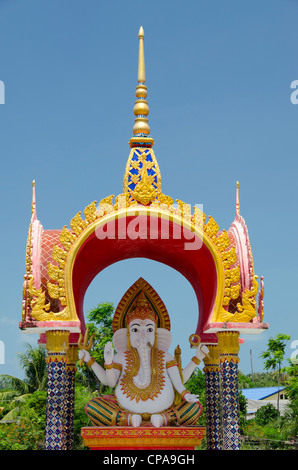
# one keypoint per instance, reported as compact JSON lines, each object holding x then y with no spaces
{"x":228,"y":344}
{"x":72,"y":357}
{"x":57,"y":345}
{"x":213,"y":408}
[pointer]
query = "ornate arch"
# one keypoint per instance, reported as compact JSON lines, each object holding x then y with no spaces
{"x":216,"y":253}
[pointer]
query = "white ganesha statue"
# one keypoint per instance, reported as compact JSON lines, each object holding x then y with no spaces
{"x":148,"y":382}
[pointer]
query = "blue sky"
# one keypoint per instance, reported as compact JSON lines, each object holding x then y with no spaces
{"x":218,"y":76}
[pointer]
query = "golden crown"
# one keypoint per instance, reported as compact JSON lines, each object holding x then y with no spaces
{"x":141,"y":310}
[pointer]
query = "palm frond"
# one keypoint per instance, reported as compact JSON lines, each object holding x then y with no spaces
{"x":8,"y":395}
{"x":11,"y":415}
{"x":14,"y":383}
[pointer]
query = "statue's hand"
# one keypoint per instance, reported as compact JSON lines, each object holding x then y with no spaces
{"x":190,"y":397}
{"x":201,"y":352}
{"x":85,"y":354}
{"x":108,"y":353}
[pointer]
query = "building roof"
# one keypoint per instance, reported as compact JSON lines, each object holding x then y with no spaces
{"x":254,"y":405}
{"x":260,"y":393}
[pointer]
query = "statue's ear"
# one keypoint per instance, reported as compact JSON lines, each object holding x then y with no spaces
{"x":120,"y":340}
{"x":164,"y":339}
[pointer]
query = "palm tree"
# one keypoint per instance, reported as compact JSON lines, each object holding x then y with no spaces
{"x":34,"y":364}
{"x":17,"y":390}
{"x":274,"y":356}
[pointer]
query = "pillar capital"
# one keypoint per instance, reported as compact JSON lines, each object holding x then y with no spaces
{"x":57,"y":344}
{"x":211,"y":361}
{"x":228,"y":344}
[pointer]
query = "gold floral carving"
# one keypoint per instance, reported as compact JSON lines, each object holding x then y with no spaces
{"x":148,"y":186}
{"x":77,"y":224}
{"x":40,"y":311}
{"x":247,"y":309}
{"x":229,"y":259}
{"x":90,"y":213}
{"x":105,"y":206}
{"x":132,"y":368}
{"x":67,"y":238}
{"x":144,"y":191}
{"x":39,"y":308}
{"x":167,"y":200}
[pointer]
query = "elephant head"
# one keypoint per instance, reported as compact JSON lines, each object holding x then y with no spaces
{"x":143,"y":335}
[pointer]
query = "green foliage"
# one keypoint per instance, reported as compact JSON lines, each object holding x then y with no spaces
{"x":242,"y":410}
{"x":33,"y":361}
{"x":12,"y":386}
{"x":244,"y":381}
{"x":292,"y":393}
{"x":253,"y":430}
{"x":23,"y":434}
{"x":82,"y":396}
{"x":196,"y":385}
{"x":15,"y":392}
{"x":276,"y":351}
{"x":268,"y":430}
{"x":263,"y":379}
{"x":265,"y":414}
{"x":101,"y":326}
{"x":292,"y":381}
{"x":26,"y":431}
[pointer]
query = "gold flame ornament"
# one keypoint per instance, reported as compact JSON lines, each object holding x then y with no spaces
{"x":87,"y":344}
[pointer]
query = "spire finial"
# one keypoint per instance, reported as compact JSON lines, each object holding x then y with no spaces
{"x":141,"y":129}
{"x":237,"y":200}
{"x":33,"y":206}
{"x":141,"y":65}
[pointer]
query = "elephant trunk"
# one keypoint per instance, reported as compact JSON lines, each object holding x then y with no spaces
{"x":143,"y":377}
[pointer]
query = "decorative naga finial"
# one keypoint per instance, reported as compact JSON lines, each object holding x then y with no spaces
{"x":141,"y":129}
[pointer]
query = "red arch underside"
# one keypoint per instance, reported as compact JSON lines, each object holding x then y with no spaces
{"x":156,"y":243}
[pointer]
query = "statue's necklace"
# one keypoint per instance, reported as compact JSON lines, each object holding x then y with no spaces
{"x":132,"y":368}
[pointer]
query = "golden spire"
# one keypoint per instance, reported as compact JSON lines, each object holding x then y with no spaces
{"x":141,"y":65}
{"x":141,"y":129}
